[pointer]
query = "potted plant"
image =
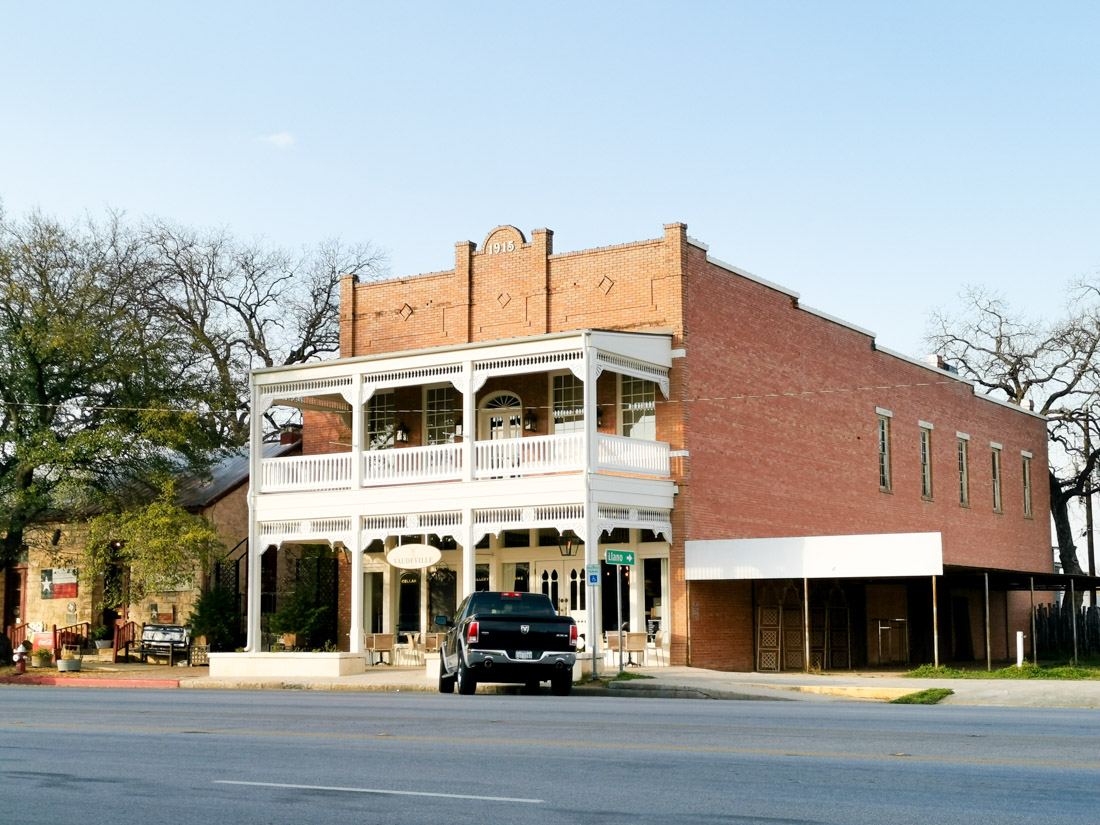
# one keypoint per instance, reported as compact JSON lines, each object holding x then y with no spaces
{"x":102,"y":638}
{"x":42,"y":657}
{"x":70,"y":659}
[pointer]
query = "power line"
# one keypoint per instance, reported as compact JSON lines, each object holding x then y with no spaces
{"x":657,"y":401}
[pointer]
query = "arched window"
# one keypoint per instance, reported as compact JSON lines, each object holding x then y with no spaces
{"x":501,"y":416}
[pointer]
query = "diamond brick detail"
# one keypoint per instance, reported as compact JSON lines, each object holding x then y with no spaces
{"x":605,"y":285}
{"x":503,"y":299}
{"x":405,"y":312}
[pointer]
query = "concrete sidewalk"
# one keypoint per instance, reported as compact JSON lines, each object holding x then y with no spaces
{"x":671,"y":682}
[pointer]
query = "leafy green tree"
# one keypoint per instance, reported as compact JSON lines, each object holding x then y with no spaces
{"x":96,"y":388}
{"x":159,"y":544}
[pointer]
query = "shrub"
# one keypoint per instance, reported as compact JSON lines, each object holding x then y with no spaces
{"x":215,"y":617}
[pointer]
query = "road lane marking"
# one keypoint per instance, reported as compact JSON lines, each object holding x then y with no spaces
{"x":380,"y":791}
{"x":463,"y":740}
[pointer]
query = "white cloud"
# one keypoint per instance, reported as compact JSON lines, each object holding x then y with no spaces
{"x":280,"y":140}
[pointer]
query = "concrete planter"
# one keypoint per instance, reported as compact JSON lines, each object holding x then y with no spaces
{"x":64,"y":665}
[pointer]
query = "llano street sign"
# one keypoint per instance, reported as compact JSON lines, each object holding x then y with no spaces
{"x":619,"y":556}
{"x":413,"y":556}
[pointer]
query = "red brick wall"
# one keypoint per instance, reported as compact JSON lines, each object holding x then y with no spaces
{"x":789,"y":447}
{"x":721,"y":625}
{"x":526,"y":291}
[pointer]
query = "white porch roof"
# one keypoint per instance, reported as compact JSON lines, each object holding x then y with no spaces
{"x":877,"y":555}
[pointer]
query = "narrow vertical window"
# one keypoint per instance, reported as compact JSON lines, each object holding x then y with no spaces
{"x":568,"y":393}
{"x":996,"y":480}
{"x":440,"y":413}
{"x":964,"y":475}
{"x":925,"y":462}
{"x":380,"y":413}
{"x":1027,"y":486}
{"x":638,"y":399}
{"x":883,"y":453}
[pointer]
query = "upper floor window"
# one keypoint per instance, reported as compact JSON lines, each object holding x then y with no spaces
{"x":883,"y":452}
{"x":1027,"y":484}
{"x":997,"y":479}
{"x":440,"y":412}
{"x":964,"y":474}
{"x":380,"y":421}
{"x":568,"y":393}
{"x":501,"y":416}
{"x":638,"y":400}
{"x":926,"y":462}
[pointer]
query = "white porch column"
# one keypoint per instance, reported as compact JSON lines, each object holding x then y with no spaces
{"x":469,"y":421}
{"x":355,"y":642}
{"x":255,"y":456}
{"x":591,"y":529}
{"x":255,"y":563}
{"x":357,"y":442}
{"x":469,"y":553}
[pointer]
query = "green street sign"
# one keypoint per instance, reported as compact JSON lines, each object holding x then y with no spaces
{"x":619,"y":556}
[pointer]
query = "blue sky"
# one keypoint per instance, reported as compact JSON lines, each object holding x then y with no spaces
{"x":875,"y":157}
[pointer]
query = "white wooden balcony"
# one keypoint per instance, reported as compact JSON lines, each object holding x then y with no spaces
{"x":504,"y":458}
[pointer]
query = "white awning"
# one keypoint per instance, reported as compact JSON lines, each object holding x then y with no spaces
{"x":816,"y":557}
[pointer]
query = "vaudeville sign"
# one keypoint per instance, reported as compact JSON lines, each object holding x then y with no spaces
{"x":413,"y":556}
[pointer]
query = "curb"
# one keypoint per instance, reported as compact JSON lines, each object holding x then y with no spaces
{"x":77,"y":681}
{"x":669,"y":692}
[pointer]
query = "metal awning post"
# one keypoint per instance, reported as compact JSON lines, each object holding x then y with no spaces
{"x":988,"y":652}
{"x":806,"y":623}
{"x":1073,"y":619}
{"x":935,"y":626}
{"x":1034,"y":651}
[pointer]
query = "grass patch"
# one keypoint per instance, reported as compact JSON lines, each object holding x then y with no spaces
{"x":604,"y":680}
{"x":1028,"y":671}
{"x":932,"y":696}
{"x":626,"y":676}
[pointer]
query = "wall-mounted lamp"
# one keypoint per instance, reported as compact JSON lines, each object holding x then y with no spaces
{"x":568,"y":543}
{"x":599,"y":416}
{"x":401,"y":434}
{"x":530,"y":420}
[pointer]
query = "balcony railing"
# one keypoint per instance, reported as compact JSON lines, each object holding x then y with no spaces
{"x":541,"y":454}
{"x":439,"y":462}
{"x":506,"y":458}
{"x":632,"y":455}
{"x":331,"y":471}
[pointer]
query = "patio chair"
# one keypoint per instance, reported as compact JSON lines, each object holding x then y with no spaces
{"x":380,"y":643}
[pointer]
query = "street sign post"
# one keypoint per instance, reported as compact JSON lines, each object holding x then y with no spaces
{"x":593,"y":571}
{"x":619,"y":557}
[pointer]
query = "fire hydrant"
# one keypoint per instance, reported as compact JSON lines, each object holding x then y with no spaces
{"x":20,"y":659}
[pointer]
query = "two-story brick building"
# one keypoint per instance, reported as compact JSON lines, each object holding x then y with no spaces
{"x":788,"y":489}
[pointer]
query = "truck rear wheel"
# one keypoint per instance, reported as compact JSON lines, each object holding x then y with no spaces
{"x":561,"y":684}
{"x":467,"y":682}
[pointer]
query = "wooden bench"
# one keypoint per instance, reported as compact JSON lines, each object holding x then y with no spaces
{"x":171,"y":640}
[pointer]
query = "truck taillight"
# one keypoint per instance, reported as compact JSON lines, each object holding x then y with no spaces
{"x":471,"y":632}
{"x":573,"y":636}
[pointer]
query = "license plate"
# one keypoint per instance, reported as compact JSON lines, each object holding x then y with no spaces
{"x":523,"y":654}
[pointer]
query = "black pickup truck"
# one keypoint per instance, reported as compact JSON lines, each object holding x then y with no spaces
{"x":507,"y":637}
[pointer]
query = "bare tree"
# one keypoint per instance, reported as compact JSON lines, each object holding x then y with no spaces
{"x":250,"y":305}
{"x":1050,"y":367}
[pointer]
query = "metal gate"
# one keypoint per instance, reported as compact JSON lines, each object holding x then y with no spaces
{"x":780,"y":633}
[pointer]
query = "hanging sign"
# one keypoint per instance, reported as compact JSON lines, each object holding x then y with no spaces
{"x":414,"y":556}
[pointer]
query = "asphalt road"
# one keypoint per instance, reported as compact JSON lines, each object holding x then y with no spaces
{"x":124,"y":756}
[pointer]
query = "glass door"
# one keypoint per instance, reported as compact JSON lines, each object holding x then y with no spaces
{"x":563,"y":581}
